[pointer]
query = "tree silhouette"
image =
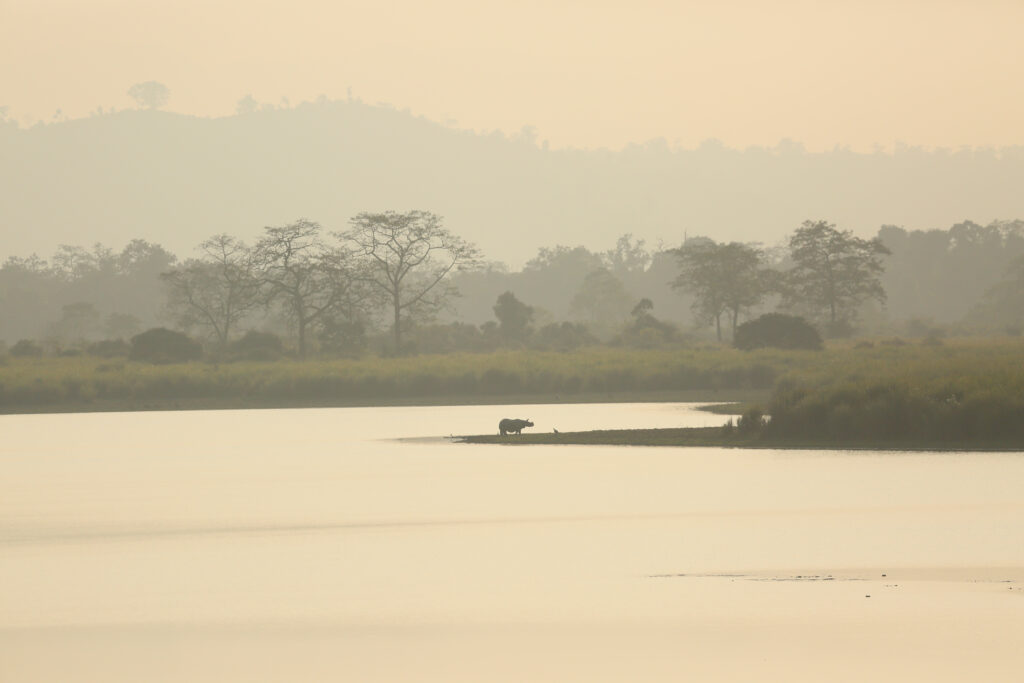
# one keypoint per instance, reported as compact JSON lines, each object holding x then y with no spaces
{"x":150,"y":95}
{"x":514,"y":317}
{"x":217,"y":290}
{"x":409,"y":257}
{"x":833,"y":272}
{"x":309,"y":279}
{"x":724,"y":278}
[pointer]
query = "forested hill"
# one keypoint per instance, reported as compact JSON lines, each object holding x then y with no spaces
{"x":177,"y":179}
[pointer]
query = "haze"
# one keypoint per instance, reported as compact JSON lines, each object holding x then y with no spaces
{"x":585,"y":74}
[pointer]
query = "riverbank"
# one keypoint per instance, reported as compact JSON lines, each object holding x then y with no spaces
{"x":719,"y":437}
{"x":725,"y":402}
{"x":86,"y":384}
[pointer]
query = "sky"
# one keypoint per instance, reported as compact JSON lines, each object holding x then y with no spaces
{"x":586,"y":74}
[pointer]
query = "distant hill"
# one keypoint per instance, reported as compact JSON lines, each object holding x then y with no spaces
{"x":175,"y":180}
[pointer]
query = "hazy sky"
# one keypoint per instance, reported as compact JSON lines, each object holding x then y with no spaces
{"x":585,"y":73}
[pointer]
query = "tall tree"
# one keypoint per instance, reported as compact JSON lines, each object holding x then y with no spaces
{"x":216,"y":290}
{"x":833,"y":272}
{"x":308,"y":279}
{"x":1002,"y":307}
{"x":724,"y":279}
{"x":79,"y":322}
{"x":628,"y":256}
{"x":514,"y":317}
{"x":602,"y":299}
{"x":409,"y":258}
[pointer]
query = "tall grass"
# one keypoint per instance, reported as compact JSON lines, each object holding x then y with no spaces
{"x":41,"y":382}
{"x":965,"y":391}
{"x":958,"y":393}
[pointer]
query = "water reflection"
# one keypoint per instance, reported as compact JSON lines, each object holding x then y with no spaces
{"x":262,"y":538}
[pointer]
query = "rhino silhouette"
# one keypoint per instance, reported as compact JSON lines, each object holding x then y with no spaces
{"x":511,"y":426}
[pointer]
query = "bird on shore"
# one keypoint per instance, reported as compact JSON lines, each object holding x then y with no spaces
{"x":555,"y":431}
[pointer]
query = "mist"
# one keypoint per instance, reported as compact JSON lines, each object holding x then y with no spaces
{"x":547,"y":342}
{"x":175,"y":180}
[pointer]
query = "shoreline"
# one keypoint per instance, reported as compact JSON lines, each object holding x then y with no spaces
{"x":721,"y":400}
{"x":716,"y":437}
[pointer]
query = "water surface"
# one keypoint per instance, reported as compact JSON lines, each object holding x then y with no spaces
{"x":339,"y":544}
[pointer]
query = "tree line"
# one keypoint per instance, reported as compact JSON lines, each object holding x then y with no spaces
{"x":313,"y":279}
{"x":827,"y":275}
{"x":395,"y":276}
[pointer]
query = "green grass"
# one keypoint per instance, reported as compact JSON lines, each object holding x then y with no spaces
{"x":964,"y":392}
{"x":37,"y":385}
{"x":956,"y":393}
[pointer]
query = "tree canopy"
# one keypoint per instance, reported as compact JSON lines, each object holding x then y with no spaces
{"x":833,"y":273}
{"x":409,"y":257}
{"x":723,"y":278}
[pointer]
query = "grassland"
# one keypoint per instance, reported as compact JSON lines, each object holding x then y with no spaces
{"x":957,"y":396}
{"x":961,"y":392}
{"x":600,"y":374}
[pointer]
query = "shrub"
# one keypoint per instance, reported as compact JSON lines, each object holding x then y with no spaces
{"x":646,"y":331}
{"x":342,"y":337}
{"x":751,"y":421}
{"x":449,"y":338}
{"x":775,"y":330}
{"x":160,"y":345}
{"x":258,"y":346}
{"x":840,"y":329}
{"x":26,"y":348}
{"x":110,"y":348}
{"x":564,"y":336}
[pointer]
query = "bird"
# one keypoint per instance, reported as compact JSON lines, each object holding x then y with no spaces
{"x":556,"y":431}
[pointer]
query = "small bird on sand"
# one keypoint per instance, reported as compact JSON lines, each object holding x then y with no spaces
{"x":556,"y":431}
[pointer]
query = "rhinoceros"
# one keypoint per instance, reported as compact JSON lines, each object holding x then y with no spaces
{"x":509,"y":425}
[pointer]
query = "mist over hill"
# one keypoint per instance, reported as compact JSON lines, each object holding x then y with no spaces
{"x":176,"y":180}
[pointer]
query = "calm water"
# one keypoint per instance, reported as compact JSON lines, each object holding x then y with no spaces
{"x":336,"y":544}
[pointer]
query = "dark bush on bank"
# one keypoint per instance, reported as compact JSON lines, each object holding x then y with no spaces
{"x":778,"y":331}
{"x":160,"y":345}
{"x":110,"y":348}
{"x":257,"y":346}
{"x":26,"y":348}
{"x":897,"y":410}
{"x":564,"y":336}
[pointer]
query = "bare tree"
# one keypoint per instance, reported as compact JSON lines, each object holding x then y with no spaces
{"x":309,"y":279}
{"x":218,"y":289}
{"x":409,"y":256}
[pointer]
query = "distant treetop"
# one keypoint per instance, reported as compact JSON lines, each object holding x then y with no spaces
{"x":150,"y":95}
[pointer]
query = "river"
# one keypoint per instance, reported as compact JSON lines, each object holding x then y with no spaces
{"x":360,"y":544}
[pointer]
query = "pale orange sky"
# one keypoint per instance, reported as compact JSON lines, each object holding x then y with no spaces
{"x":585,"y":74}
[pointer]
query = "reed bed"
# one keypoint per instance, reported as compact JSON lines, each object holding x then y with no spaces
{"x":26,"y":383}
{"x":962,"y":390}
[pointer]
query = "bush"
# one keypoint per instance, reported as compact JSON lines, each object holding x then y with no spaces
{"x":342,"y":337}
{"x":160,"y":345}
{"x":258,"y":346}
{"x":775,"y":330}
{"x":564,"y":336}
{"x":752,"y":421}
{"x":110,"y":348}
{"x":449,"y":338}
{"x":26,"y":348}
{"x":646,"y":331}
